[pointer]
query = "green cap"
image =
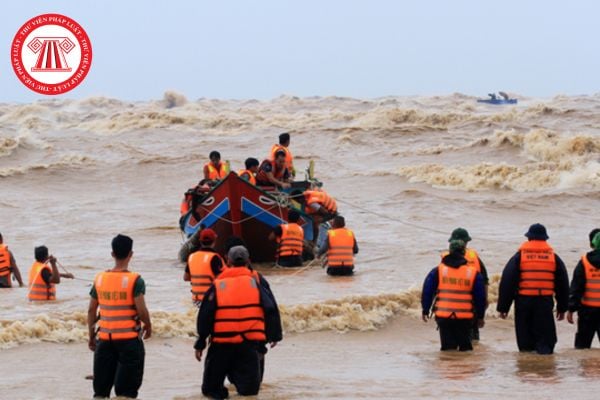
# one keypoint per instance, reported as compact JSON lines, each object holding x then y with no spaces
{"x":460,"y":234}
{"x":456,"y":245}
{"x":596,"y":241}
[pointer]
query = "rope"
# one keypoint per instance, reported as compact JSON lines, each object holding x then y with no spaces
{"x":412,"y":224}
{"x":67,"y":271}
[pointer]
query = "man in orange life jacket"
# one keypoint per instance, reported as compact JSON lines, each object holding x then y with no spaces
{"x":8,"y":266}
{"x":274,"y":172}
{"x":240,"y":314}
{"x":530,"y":278}
{"x":584,"y":295}
{"x":340,"y":246}
{"x":214,"y":170}
{"x":460,"y":298}
{"x":249,"y":174}
{"x":284,"y":145}
{"x":474,"y":261}
{"x":290,"y":241}
{"x":118,"y":349}
{"x":203,"y":265}
{"x":42,"y":277}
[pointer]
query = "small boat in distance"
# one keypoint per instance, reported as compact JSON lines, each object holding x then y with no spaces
{"x":495,"y":99}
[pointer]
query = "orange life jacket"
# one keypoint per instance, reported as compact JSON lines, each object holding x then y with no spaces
{"x":214,"y":173}
{"x":5,"y":263}
{"x":340,"y":252}
{"x":239,"y":316}
{"x":591,"y":295}
{"x":185,"y":204}
{"x":118,"y":315}
{"x":291,"y":240}
{"x":455,"y":292}
{"x":201,"y":272}
{"x":289,"y":160}
{"x":321,"y":198}
{"x":472,"y":258}
{"x":538,"y":266}
{"x":261,"y":176}
{"x":38,"y":289}
{"x":251,"y":177}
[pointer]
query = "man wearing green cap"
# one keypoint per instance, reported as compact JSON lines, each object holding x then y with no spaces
{"x":531,"y":278}
{"x":460,"y":298}
{"x":474,"y":261}
{"x":584,"y":295}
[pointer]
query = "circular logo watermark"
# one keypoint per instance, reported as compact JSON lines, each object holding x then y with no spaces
{"x":51,"y":54}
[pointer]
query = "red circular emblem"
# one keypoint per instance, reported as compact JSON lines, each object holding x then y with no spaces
{"x":51,"y":54}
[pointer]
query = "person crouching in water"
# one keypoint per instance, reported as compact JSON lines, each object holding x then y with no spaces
{"x":460,"y":297}
{"x":340,"y":246}
{"x":240,"y":315}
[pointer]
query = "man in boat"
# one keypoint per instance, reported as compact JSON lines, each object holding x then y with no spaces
{"x":43,"y":278}
{"x":215,"y":170}
{"x":340,"y":247}
{"x":239,"y":313}
{"x":203,"y":265}
{"x":284,"y":145}
{"x":274,"y":173}
{"x":584,"y":295}
{"x":124,"y":318}
{"x":474,"y":261}
{"x":460,"y":297}
{"x":8,"y":266}
{"x":249,"y":174}
{"x":290,"y":241}
{"x":531,"y":278}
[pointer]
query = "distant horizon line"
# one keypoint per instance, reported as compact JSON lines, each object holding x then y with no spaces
{"x":179,"y":94}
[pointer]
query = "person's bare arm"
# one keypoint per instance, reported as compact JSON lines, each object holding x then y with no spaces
{"x":92,"y":317}
{"x":276,"y":181}
{"x":55,"y":278}
{"x":15,"y":269}
{"x":187,"y":276}
{"x":144,"y":316}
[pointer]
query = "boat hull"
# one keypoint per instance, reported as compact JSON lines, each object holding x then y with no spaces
{"x":498,"y":101}
{"x":237,"y":208}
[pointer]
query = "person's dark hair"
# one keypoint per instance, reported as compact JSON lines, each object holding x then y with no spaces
{"x":233,"y":241}
{"x":284,"y":138}
{"x":251,"y":162}
{"x":592,"y":234}
{"x":279,"y":153}
{"x":339,"y":221}
{"x":41,"y":253}
{"x":1,"y":237}
{"x":121,"y":246}
{"x":214,"y":154}
{"x":293,"y":216}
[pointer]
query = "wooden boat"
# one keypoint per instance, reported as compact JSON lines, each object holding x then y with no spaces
{"x":235,"y":207}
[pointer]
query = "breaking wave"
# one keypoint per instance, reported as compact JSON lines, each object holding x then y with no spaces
{"x":67,"y":161}
{"x":552,"y":161}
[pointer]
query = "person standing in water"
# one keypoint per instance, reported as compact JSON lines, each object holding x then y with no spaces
{"x":473,"y":260}
{"x":118,"y":348}
{"x":460,"y":297}
{"x":8,"y":266}
{"x":531,"y":278}
{"x":584,"y":295}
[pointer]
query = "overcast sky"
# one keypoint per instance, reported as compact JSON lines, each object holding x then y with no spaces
{"x":262,"y":49}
